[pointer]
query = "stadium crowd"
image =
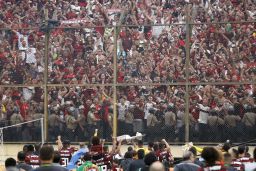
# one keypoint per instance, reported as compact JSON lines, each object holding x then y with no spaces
{"x":146,"y":53}
{"x":158,"y":112}
{"x":156,"y":156}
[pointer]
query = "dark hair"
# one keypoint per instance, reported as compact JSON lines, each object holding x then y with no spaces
{"x":210,"y":155}
{"x":246,"y":149}
{"x":128,"y":155}
{"x":31,"y":148}
{"x":9,"y":162}
{"x":226,"y":147}
{"x":140,"y":143}
{"x":25,"y":148}
{"x":129,"y":148}
{"x":241,"y":149}
{"x":95,"y":140}
{"x":21,"y":156}
{"x":193,"y":150}
{"x":46,"y":152}
{"x":254,"y":154}
{"x":161,"y":145}
{"x":56,"y":157}
{"x":150,"y":158}
{"x":37,"y":146}
{"x":151,"y":144}
{"x":87,"y":157}
{"x":141,"y":153}
{"x":156,"y":147}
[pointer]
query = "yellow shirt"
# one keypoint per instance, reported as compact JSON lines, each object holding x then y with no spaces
{"x":143,"y":148}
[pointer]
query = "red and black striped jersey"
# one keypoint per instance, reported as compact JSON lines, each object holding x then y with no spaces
{"x":213,"y":168}
{"x":33,"y":160}
{"x":240,"y":162}
{"x":66,"y":155}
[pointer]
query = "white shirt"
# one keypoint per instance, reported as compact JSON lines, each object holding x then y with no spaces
{"x":203,"y":116}
{"x":250,"y":166}
{"x":147,"y":107}
{"x":29,"y":55}
{"x":121,"y":111}
{"x":24,"y":39}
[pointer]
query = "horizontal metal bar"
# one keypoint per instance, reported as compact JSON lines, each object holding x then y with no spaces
{"x":133,"y":25}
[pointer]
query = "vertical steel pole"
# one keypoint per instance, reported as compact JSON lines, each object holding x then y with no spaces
{"x":187,"y":47}
{"x":46,"y":56}
{"x":115,"y":84}
{"x":42,"y":130}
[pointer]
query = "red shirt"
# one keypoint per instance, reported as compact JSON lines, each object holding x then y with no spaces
{"x":33,"y":160}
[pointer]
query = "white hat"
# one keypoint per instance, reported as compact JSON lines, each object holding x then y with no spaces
{"x":81,"y":107}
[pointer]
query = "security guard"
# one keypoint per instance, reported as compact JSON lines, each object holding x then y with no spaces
{"x":16,"y":118}
{"x":151,"y":123}
{"x":71,"y":123}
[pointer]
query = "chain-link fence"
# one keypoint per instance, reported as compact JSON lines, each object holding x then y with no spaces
{"x":189,"y":80}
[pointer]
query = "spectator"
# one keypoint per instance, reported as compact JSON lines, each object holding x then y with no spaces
{"x":138,"y":163}
{"x":212,"y":159}
{"x":149,"y":159}
{"x":21,"y":162}
{"x":46,"y":158}
{"x":10,"y":164}
{"x":251,"y":166}
{"x":156,"y":166}
{"x":127,"y":160}
{"x":188,"y":163}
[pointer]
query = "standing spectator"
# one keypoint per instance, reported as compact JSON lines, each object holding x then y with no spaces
{"x":215,"y":126}
{"x":138,"y":163}
{"x":46,"y":158}
{"x":10,"y":164}
{"x":169,"y":124}
{"x":16,"y":118}
{"x":81,"y":129}
{"x":21,"y":162}
{"x":122,"y":111}
{"x":212,"y":159}
{"x":249,"y":120}
{"x":127,"y":160}
{"x":152,"y":125}
{"x":188,"y":163}
{"x":203,"y":120}
{"x":231,"y":120}
{"x":129,"y":121}
{"x":91,"y":121}
{"x":149,"y":159}
{"x":157,"y":166}
{"x":54,"y":121}
{"x":251,"y":166}
{"x":138,"y":116}
{"x":71,"y":123}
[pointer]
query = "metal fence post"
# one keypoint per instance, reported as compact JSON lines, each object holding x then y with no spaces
{"x":187,"y":48}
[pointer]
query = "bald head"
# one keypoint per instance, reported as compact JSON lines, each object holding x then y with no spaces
{"x":157,"y":166}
